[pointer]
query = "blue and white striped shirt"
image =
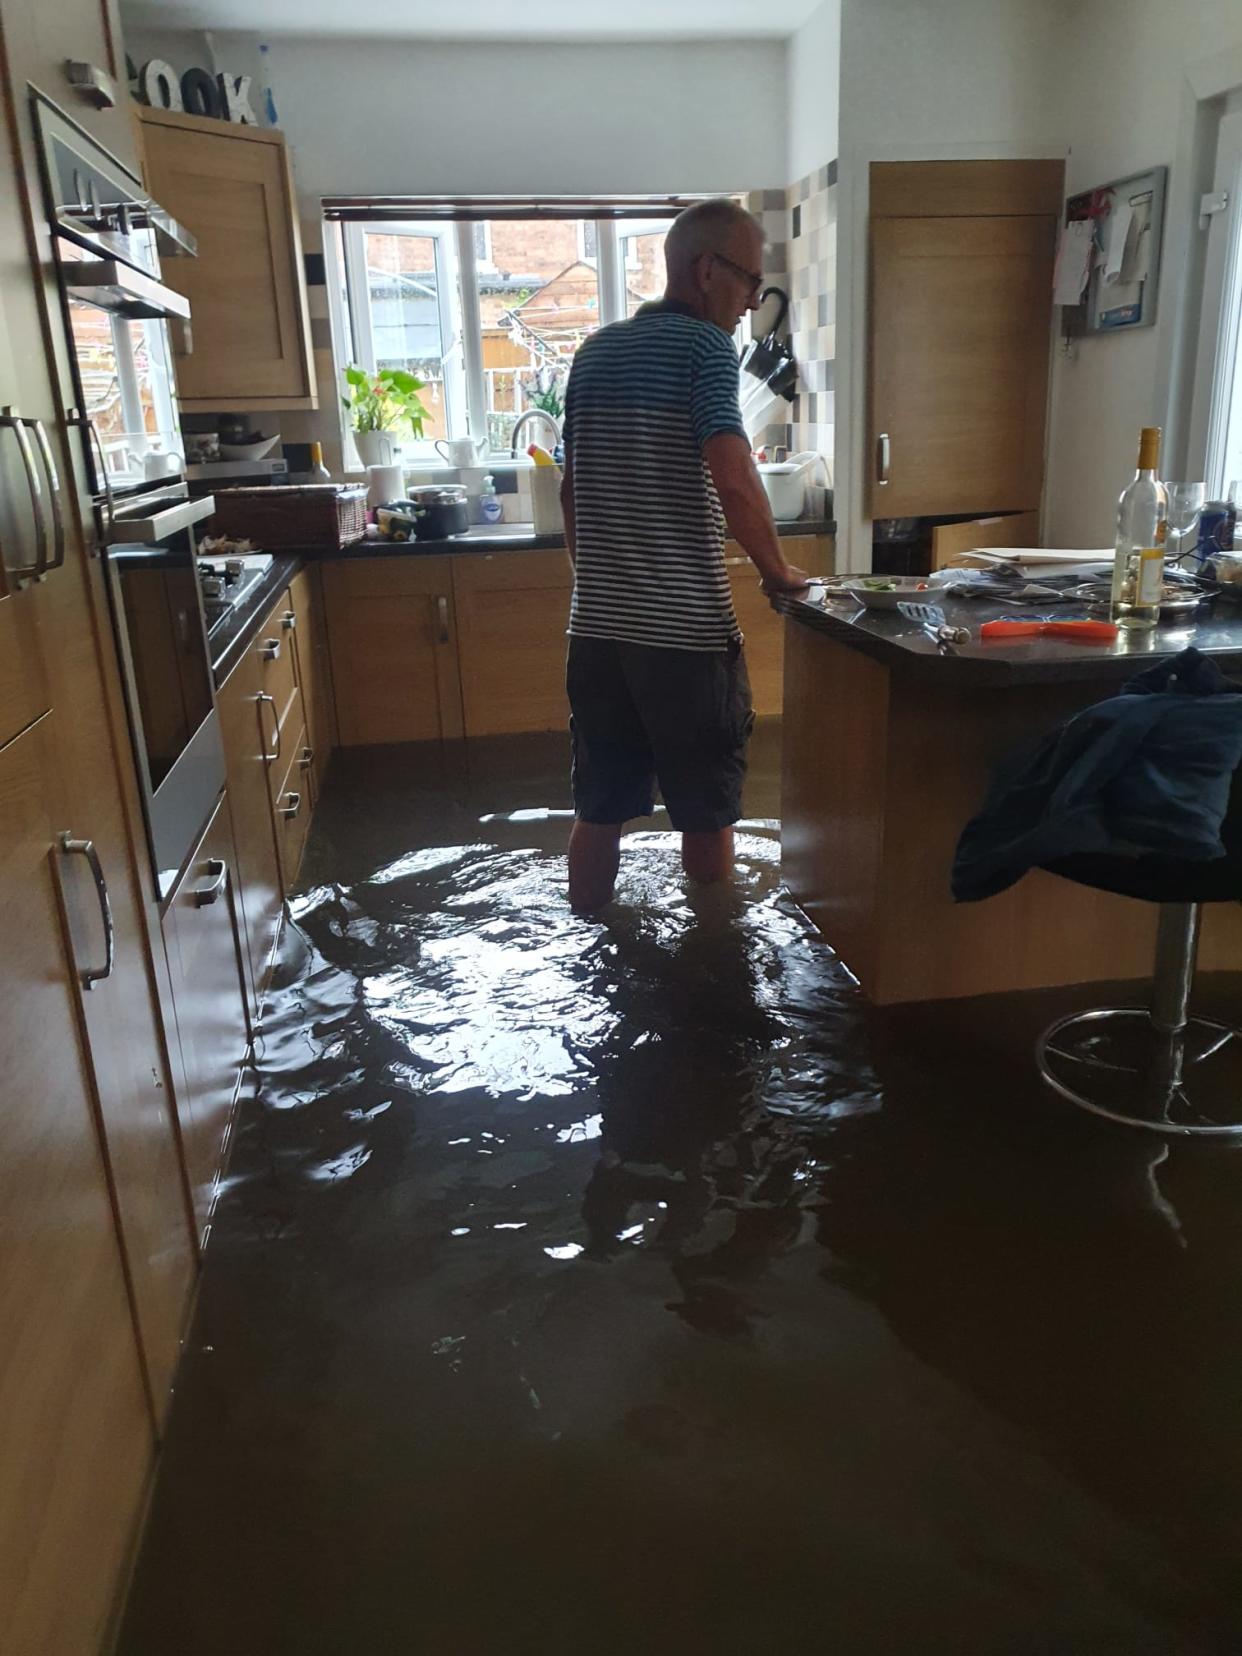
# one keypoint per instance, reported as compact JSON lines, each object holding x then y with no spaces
{"x":643,"y":398}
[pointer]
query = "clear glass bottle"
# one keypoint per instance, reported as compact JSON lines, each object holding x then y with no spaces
{"x":1142,"y":523}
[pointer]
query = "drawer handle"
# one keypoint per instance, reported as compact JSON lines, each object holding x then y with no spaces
{"x":270,"y":649}
{"x":292,"y":805}
{"x":442,"y":616}
{"x":218,"y":870}
{"x":86,"y":848}
{"x":289,"y":620}
{"x":883,"y":455}
{"x":307,"y":759}
{"x":260,"y":699}
{"x":37,"y":571}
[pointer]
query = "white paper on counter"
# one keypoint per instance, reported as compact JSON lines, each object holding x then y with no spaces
{"x":1037,"y":555}
{"x":1073,"y":262}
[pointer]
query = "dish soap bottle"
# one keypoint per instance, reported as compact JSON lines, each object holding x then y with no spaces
{"x":1142,"y":522}
{"x":490,"y":508}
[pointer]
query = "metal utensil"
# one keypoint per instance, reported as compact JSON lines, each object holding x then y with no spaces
{"x":931,"y":618}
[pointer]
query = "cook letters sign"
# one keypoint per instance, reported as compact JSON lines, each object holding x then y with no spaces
{"x":221,"y":97}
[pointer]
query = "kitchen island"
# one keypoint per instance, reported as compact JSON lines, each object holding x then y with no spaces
{"x":889,"y":745}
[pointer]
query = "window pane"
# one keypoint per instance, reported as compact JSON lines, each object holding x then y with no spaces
{"x":403,"y":289}
{"x":537,"y":302}
{"x":642,"y":265}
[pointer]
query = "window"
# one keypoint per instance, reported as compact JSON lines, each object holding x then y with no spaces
{"x":489,"y":313}
{"x":1216,"y":423}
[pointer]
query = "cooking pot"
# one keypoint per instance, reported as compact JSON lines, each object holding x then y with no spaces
{"x":436,"y":512}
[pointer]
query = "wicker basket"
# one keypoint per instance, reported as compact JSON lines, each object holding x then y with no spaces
{"x":322,"y":516}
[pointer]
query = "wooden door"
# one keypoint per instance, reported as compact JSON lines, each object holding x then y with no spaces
{"x":512,"y":618}
{"x":202,"y":935}
{"x":247,"y":730}
{"x":392,"y":638}
{"x":314,"y":669}
{"x":39,"y":41}
{"x":762,"y":628}
{"x":960,"y":338}
{"x":71,"y":665}
{"x":250,"y":330}
{"x":75,"y":1429}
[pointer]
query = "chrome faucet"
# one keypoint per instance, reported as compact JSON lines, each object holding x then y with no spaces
{"x":535,"y":414}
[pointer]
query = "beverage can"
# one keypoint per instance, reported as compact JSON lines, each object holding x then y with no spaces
{"x":1217,"y":525}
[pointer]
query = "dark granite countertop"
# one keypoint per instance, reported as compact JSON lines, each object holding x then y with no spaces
{"x":905,"y":649}
{"x":228,"y":644}
{"x":511,"y":537}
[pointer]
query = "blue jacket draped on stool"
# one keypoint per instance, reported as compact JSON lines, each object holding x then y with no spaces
{"x":1141,"y":778}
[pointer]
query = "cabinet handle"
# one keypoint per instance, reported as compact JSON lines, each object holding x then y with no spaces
{"x":270,"y":649}
{"x":53,"y":491}
{"x":17,"y":425}
{"x":442,"y":618}
{"x":307,"y":759}
{"x":289,"y":620}
{"x":883,"y":454}
{"x":88,"y":426}
{"x":218,"y":872}
{"x":260,"y":699}
{"x":86,"y":848}
{"x":292,"y":805}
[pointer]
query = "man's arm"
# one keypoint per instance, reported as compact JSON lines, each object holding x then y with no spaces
{"x":747,"y":512}
{"x":567,"y":506}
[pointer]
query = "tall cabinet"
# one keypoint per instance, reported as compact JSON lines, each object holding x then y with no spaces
{"x":97,"y":1251}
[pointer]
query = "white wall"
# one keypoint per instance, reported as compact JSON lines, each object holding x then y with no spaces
{"x":376,"y":117}
{"x":957,"y":80}
{"x":813,"y":79}
{"x":1122,"y":94}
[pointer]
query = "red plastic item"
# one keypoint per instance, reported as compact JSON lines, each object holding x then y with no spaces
{"x":1086,"y":632}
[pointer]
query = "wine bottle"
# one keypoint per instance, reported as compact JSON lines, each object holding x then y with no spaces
{"x":1142,"y":522}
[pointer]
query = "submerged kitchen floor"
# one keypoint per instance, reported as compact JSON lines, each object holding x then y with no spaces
{"x":622,"y":1285}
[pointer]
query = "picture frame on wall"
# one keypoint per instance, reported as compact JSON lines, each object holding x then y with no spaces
{"x":1123,"y":276}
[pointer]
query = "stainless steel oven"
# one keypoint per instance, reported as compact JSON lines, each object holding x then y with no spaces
{"x":108,"y":237}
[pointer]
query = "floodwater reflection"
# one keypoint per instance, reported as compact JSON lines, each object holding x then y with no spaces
{"x":622,"y":1283}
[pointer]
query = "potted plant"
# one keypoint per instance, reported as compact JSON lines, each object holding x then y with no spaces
{"x":381,"y":405}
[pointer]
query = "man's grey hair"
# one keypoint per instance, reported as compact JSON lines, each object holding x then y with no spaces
{"x":703,"y":228}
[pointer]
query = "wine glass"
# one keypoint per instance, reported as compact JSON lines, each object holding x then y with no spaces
{"x":1185,"y":510}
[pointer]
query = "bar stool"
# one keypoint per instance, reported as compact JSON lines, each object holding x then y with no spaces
{"x":1152,"y":1067}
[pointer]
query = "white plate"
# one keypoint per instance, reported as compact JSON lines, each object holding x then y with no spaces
{"x":901,"y":589}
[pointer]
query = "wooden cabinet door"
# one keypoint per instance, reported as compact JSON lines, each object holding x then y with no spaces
{"x":247,"y":730}
{"x":314,"y":669}
{"x":250,"y":331}
{"x":202,"y":936}
{"x":292,"y":804}
{"x":40,"y":39}
{"x":75,"y":1428}
{"x":392,"y":638}
{"x":960,"y":333}
{"x":762,"y":628}
{"x":512,"y":617}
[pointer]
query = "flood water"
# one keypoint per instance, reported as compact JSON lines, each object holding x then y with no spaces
{"x":623,"y":1285}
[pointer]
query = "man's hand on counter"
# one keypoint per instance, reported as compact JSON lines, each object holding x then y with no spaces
{"x":790,"y":579}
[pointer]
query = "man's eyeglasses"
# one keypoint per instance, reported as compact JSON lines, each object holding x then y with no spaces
{"x":748,"y":276}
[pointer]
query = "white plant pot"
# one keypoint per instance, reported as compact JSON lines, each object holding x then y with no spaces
{"x":377,"y":448}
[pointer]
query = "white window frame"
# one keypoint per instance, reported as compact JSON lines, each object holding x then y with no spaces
{"x":448,"y":258}
{"x":1218,"y":367}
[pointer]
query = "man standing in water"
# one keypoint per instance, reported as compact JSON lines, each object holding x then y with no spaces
{"x":657,"y":463}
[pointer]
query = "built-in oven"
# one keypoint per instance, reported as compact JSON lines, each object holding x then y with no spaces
{"x":108,"y":237}
{"x":157,"y":607}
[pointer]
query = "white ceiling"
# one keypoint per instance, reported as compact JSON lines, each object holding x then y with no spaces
{"x":482,"y":19}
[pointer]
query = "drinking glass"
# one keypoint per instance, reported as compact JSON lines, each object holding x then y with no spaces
{"x":1185,"y":509}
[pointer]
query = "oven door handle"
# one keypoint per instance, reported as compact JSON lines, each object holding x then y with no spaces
{"x":10,"y":419}
{"x":144,"y":531}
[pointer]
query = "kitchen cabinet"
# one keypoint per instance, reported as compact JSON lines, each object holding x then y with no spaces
{"x":203,"y":942}
{"x":762,"y":628}
{"x":292,"y":804}
{"x":249,"y":341}
{"x":314,"y":668}
{"x":393,"y":648}
{"x":246,"y":731}
{"x":959,"y":335}
{"x":512,"y":612}
{"x":75,"y":1427}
